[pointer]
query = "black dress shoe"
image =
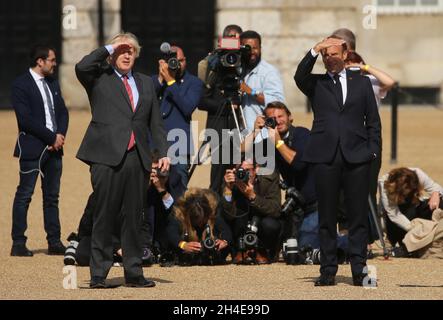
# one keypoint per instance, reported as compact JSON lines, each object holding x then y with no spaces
{"x":359,"y":280}
{"x":57,"y":249}
{"x":97,"y":283}
{"x":20,"y":250}
{"x":140,"y":283}
{"x":325,"y":280}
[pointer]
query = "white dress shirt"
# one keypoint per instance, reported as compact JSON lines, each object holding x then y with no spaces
{"x":342,"y":75}
{"x":39,"y":82}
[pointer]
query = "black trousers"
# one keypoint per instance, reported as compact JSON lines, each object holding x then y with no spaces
{"x":51,"y":166}
{"x":354,"y":179}
{"x":118,"y":188}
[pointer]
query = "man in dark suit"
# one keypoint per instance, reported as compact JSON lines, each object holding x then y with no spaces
{"x":180,"y":93}
{"x":124,"y":109}
{"x":345,"y":138}
{"x":42,"y":120}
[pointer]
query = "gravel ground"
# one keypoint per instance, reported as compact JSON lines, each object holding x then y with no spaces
{"x":41,"y":277}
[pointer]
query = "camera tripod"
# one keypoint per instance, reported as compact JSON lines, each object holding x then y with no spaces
{"x":378,"y":227}
{"x":240,"y":125}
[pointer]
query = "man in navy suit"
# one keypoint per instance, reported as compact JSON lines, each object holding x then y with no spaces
{"x":42,"y":120}
{"x":345,"y":138}
{"x":179,"y":92}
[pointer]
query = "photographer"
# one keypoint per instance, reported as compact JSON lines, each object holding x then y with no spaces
{"x":254,"y":198}
{"x":213,"y":101}
{"x":407,"y":194}
{"x":179,"y":93}
{"x":156,"y":216}
{"x":262,"y":82}
{"x":289,"y":144}
{"x":196,"y":231}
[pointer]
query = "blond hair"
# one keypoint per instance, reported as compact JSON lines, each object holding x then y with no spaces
{"x":130,"y":37}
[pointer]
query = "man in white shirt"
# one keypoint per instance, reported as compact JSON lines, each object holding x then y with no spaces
{"x":42,"y":120}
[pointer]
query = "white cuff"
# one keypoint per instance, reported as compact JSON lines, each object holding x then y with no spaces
{"x":110,"y":49}
{"x":314,"y":54}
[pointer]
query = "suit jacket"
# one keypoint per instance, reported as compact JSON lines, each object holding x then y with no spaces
{"x":29,"y":108}
{"x":178,"y":103}
{"x":107,"y":137}
{"x":356,"y":125}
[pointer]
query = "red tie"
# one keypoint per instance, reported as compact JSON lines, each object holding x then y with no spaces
{"x":129,"y":91}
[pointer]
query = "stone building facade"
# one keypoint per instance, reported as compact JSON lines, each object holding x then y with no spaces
{"x":406,"y":42}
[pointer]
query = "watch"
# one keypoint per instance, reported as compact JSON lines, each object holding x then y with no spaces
{"x":255,"y":93}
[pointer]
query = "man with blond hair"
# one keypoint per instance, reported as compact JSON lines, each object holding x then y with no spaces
{"x":124,"y":108}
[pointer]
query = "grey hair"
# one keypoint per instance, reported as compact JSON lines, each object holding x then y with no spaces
{"x":130,"y":37}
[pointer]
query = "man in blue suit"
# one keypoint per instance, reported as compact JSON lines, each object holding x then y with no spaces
{"x":179,"y":92}
{"x":42,"y":120}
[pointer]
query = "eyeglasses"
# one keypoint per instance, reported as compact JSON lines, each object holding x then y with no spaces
{"x":51,"y":60}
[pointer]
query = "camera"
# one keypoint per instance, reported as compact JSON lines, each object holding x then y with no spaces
{"x":271,"y":122}
{"x":162,"y":174}
{"x":312,"y":256}
{"x":292,"y":212}
{"x":208,"y":244}
{"x":228,"y":62}
{"x":291,"y":253}
{"x":71,"y":250}
{"x":294,"y":202}
{"x":242,"y":175}
{"x":250,"y":239}
{"x":170,"y":56}
{"x":208,"y":255}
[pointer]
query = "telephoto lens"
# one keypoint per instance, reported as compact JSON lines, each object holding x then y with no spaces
{"x":271,"y":122}
{"x":208,"y":243}
{"x":291,"y":252}
{"x":71,"y":250}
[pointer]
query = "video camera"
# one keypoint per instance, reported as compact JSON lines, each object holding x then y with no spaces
{"x":170,"y":56}
{"x":229,"y":64}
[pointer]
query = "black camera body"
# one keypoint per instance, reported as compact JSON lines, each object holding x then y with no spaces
{"x":162,"y":174}
{"x":170,"y":56}
{"x":242,"y":175}
{"x":229,"y":64}
{"x":271,"y":122}
{"x":208,"y":255}
{"x":250,"y":239}
{"x":294,"y":201}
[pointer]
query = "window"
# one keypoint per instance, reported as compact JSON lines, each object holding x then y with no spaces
{"x":409,"y":6}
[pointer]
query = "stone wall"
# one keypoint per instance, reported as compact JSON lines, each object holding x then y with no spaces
{"x":81,"y":41}
{"x":406,"y":46}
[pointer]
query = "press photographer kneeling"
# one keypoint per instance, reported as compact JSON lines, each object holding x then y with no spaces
{"x":197,"y":231}
{"x":251,"y":206}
